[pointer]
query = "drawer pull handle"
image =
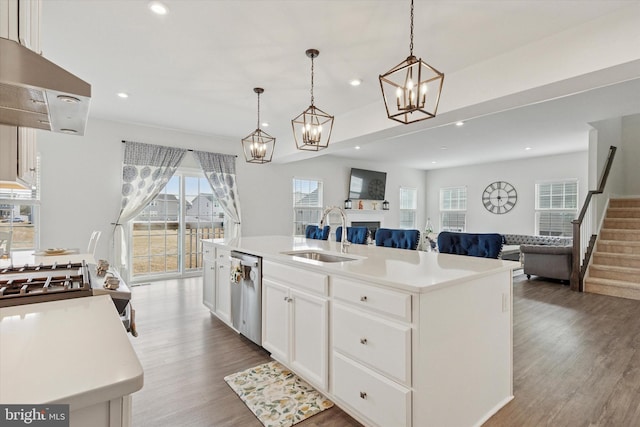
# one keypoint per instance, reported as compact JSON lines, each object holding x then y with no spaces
{"x":363,"y":395}
{"x":206,"y":252}
{"x":363,"y":298}
{"x":363,"y":341}
{"x":287,"y":299}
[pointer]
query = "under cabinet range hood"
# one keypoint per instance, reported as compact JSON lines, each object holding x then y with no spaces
{"x":36,"y":93}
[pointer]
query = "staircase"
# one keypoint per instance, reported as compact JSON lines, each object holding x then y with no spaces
{"x":615,"y":267}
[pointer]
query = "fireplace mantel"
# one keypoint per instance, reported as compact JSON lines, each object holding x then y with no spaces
{"x":365,"y":215}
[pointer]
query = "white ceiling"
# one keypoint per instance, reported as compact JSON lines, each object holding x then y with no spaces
{"x":195,"y":69}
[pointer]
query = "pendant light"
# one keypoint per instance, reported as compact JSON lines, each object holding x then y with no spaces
{"x":312,"y":128}
{"x":411,"y":89}
{"x":258,"y":146}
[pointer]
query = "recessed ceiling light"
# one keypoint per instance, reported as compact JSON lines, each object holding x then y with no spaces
{"x":123,"y":95}
{"x":444,"y":147}
{"x":158,"y":8}
{"x":355,"y":82}
{"x":460,"y":123}
{"x":357,"y":147}
{"x":433,"y":162}
{"x":265,"y":124}
{"x":527,"y":148}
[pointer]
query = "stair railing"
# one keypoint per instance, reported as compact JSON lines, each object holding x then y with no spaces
{"x":583,"y":238}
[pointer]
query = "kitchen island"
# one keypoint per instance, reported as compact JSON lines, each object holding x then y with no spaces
{"x":395,"y":337}
{"x":71,"y":351}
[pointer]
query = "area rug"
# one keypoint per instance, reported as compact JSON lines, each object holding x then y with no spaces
{"x":276,"y":396}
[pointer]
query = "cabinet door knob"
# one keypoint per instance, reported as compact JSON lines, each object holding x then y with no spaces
{"x":222,"y":266}
{"x":363,"y":395}
{"x":287,"y":299}
{"x":363,"y":298}
{"x":363,"y":341}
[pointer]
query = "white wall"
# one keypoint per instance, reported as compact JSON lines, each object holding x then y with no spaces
{"x":266,"y":191}
{"x":522,"y":174}
{"x":81,"y":183}
{"x":631,"y":158}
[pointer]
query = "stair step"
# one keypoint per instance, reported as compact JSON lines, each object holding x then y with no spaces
{"x":622,"y":223}
{"x":619,"y":260}
{"x":623,"y":212}
{"x":625,"y":274}
{"x":618,"y":247}
{"x":615,"y":288}
{"x":620,"y":234}
{"x":624,"y":203}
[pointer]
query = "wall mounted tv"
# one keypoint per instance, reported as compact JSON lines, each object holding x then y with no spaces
{"x":366,"y":184}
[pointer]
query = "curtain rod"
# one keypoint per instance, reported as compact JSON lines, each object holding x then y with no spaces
{"x":188,"y":149}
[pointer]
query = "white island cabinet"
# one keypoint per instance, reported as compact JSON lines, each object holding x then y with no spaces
{"x":410,"y":338}
{"x":295,"y":320}
{"x":73,"y":351}
{"x":216,"y":283}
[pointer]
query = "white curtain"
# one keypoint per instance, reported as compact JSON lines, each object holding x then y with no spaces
{"x":145,"y":172}
{"x":220,"y":170}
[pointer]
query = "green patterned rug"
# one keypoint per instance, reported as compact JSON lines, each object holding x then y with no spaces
{"x":277,"y":396}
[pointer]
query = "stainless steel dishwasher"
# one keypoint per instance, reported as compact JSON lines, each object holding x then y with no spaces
{"x":246,"y":295}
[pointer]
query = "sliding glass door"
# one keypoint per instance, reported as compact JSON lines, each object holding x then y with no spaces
{"x":166,"y":236}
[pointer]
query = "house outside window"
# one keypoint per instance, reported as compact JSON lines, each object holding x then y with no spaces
{"x":453,"y":209}
{"x":408,"y":207}
{"x":307,"y":204}
{"x":556,"y":207}
{"x":19,"y":209}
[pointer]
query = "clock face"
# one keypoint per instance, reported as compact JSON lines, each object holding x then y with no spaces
{"x":499,"y":197}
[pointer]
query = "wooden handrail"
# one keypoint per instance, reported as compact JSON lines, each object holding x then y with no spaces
{"x":578,"y":270}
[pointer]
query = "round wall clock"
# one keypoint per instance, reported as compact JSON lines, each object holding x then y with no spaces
{"x":499,"y":197}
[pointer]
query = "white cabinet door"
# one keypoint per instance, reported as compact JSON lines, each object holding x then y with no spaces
{"x":223,"y":291}
{"x":275,"y":319}
{"x":208,"y":283}
{"x":309,"y":343}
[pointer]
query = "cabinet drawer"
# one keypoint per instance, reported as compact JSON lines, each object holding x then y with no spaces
{"x":381,"y":344}
{"x":208,"y":251}
{"x":367,"y":296}
{"x":301,"y":279}
{"x":222,"y":255}
{"x":374,"y":396}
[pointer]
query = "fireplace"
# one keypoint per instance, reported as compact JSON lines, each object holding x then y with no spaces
{"x":371,"y":225}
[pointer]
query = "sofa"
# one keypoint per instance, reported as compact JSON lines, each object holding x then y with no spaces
{"x":486,"y":245}
{"x":544,"y":256}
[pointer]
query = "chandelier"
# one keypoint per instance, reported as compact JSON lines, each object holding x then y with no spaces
{"x":258,"y":146}
{"x":411,"y":89}
{"x":312,"y":128}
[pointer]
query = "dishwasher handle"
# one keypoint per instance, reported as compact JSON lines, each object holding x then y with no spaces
{"x":245,"y":263}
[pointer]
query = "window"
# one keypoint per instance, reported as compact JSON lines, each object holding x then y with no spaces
{"x":307,"y":204}
{"x":167,"y":234}
{"x":19,"y":209}
{"x":408,"y":207}
{"x":556,"y":207}
{"x":453,"y":208}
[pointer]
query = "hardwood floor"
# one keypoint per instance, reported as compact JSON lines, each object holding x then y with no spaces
{"x":576,"y":360}
{"x":185,"y":353}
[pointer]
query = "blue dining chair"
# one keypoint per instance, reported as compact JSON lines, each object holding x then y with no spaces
{"x":483,"y":245}
{"x":357,"y":235}
{"x":397,"y":238}
{"x":314,"y":232}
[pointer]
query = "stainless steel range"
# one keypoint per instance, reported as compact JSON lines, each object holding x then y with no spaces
{"x":51,"y":281}
{"x":39,"y":283}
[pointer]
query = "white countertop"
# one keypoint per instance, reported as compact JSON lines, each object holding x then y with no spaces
{"x":72,"y":351}
{"x":411,"y":270}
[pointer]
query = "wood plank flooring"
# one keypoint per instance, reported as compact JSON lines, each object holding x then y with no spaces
{"x":576,"y":360}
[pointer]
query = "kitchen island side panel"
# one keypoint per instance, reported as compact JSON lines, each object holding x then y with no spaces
{"x":463,"y":360}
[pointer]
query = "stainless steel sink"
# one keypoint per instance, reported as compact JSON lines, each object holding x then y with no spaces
{"x":319,"y":256}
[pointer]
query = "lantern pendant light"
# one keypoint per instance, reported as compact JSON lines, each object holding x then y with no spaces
{"x":258,"y":146}
{"x":411,"y":90}
{"x":312,"y":128}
